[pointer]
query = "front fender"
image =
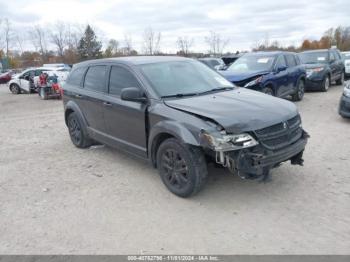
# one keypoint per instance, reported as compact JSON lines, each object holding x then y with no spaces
{"x":175,"y":129}
{"x":169,"y":128}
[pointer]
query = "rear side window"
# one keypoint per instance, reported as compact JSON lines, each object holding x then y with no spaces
{"x":121,"y":78}
{"x":76,"y":76}
{"x":95,"y":78}
{"x":290,"y":60}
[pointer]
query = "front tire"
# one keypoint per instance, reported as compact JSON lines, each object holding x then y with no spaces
{"x":15,"y":89}
{"x":76,"y":131}
{"x":182,"y":168}
{"x":299,"y":94}
{"x":326,"y":84}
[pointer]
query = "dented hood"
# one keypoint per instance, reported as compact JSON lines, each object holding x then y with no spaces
{"x":235,"y":77}
{"x":238,"y":110}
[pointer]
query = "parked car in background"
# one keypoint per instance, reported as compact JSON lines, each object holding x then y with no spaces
{"x":230,"y":59}
{"x":179,"y":114}
{"x":346,"y":58}
{"x":6,"y":77}
{"x":344,"y":105}
{"x":274,"y":73}
{"x":323,"y":67}
{"x":213,"y":63}
{"x":28,"y":80}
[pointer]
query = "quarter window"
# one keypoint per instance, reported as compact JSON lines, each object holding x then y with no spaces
{"x":121,"y":78}
{"x":95,"y":78}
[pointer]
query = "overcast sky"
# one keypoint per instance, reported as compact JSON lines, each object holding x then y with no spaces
{"x":244,"y":22}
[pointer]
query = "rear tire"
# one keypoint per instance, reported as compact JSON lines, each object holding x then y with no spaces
{"x":15,"y":89}
{"x":76,"y":131}
{"x":299,"y":94}
{"x":182,"y":168}
{"x":340,"y":81}
{"x":326,"y":84}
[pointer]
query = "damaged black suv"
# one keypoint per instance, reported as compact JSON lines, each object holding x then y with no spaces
{"x":179,"y":114}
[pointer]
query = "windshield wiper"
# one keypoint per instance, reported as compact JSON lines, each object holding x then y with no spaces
{"x":218,"y":89}
{"x":180,"y":95}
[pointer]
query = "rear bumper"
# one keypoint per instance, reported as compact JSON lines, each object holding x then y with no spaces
{"x":344,"y":106}
{"x":254,"y":163}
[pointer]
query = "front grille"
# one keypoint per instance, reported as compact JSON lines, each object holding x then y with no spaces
{"x":280,"y":135}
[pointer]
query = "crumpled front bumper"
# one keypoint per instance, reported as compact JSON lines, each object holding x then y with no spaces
{"x":253,"y":162}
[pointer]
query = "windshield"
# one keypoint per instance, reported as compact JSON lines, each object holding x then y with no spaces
{"x":183,"y":77}
{"x":314,"y":57}
{"x":252,"y":63}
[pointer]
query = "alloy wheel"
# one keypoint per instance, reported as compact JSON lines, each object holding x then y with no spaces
{"x":75,"y":130}
{"x":175,"y":169}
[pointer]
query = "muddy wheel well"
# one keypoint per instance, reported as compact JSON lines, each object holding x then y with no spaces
{"x":155,"y":145}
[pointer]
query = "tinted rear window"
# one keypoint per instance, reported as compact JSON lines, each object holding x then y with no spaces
{"x":76,"y":76}
{"x":95,"y":78}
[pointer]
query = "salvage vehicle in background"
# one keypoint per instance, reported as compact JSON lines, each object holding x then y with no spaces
{"x":230,"y":59}
{"x":28,"y":80}
{"x":179,"y":114}
{"x":323,"y":67}
{"x":6,"y":77}
{"x":213,"y":63}
{"x":344,"y":105}
{"x":50,"y":86}
{"x":274,"y":73}
{"x":346,"y":58}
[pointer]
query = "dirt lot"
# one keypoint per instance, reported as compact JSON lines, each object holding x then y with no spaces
{"x":55,"y":198}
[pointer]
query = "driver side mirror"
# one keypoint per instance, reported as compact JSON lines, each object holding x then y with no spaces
{"x":133,"y":94}
{"x":281,"y":68}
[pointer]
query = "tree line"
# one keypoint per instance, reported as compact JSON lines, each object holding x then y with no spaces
{"x":71,"y":43}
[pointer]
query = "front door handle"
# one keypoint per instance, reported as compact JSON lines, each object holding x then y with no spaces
{"x":107,"y":103}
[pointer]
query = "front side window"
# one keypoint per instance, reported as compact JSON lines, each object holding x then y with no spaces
{"x":182,"y":77}
{"x":95,"y":78}
{"x":121,"y":78}
{"x":281,"y":62}
{"x":290,"y":60}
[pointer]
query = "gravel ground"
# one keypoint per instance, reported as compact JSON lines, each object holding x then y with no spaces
{"x":55,"y":198}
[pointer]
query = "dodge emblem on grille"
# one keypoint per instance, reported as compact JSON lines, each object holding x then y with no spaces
{"x":285,"y":125}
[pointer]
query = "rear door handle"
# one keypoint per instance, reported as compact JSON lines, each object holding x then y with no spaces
{"x":78,"y":96}
{"x":107,"y":104}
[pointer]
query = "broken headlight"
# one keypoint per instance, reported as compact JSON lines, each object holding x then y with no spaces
{"x":254,"y":82}
{"x":222,"y":142}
